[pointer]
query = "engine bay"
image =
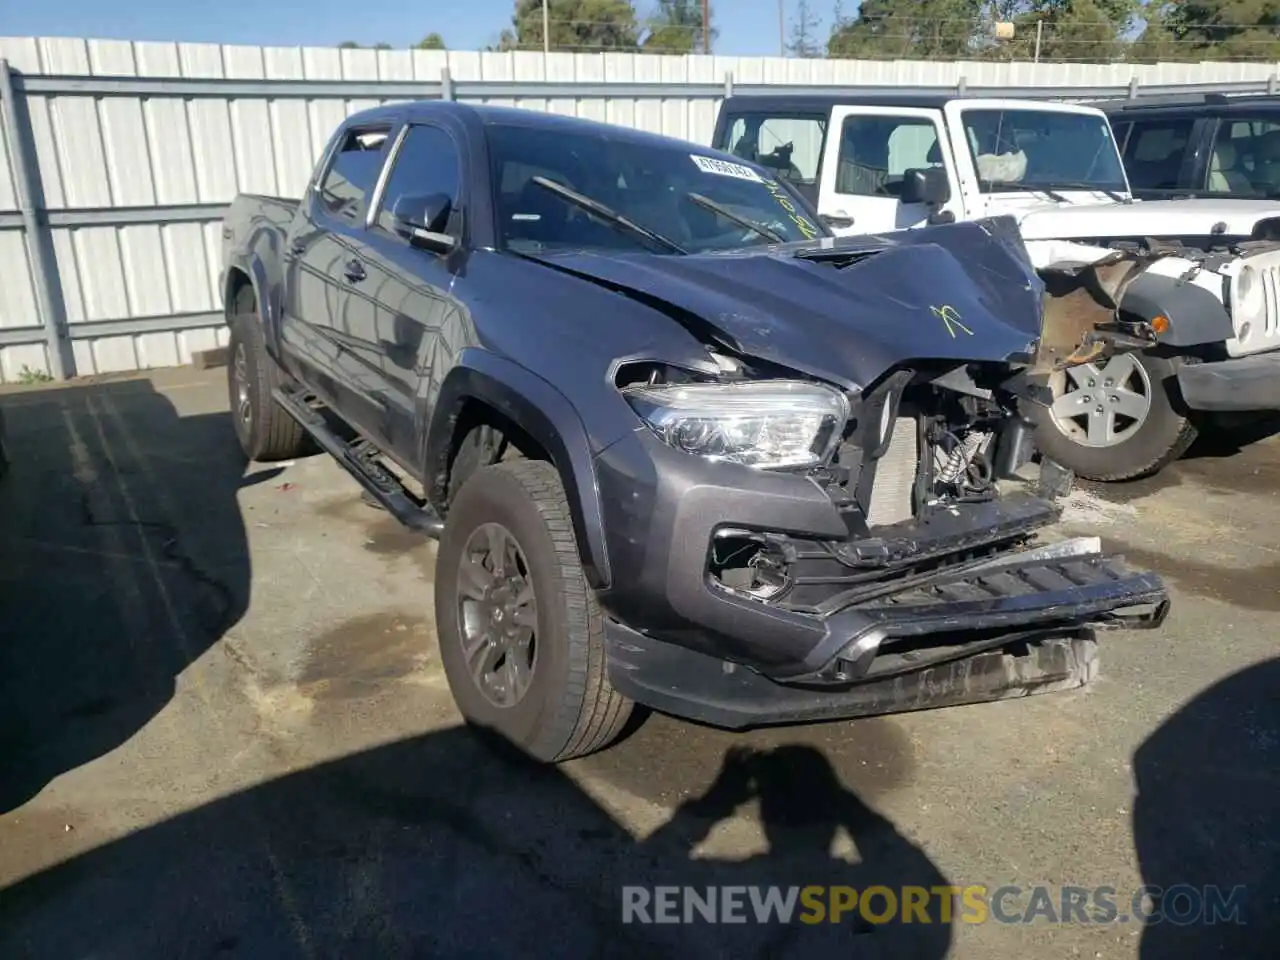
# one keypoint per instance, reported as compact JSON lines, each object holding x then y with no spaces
{"x":923,"y":478}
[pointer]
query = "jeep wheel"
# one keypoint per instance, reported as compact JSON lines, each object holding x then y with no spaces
{"x":521,"y":637}
{"x":1115,"y":420}
{"x":265,"y":431}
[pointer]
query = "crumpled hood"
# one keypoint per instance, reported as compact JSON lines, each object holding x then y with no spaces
{"x":959,"y":292}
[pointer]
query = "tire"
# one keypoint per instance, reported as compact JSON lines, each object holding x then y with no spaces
{"x":265,"y":431}
{"x":568,"y":708}
{"x":1142,"y":446}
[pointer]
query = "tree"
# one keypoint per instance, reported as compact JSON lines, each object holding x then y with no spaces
{"x":935,"y":29}
{"x":432,"y":41}
{"x":676,"y":27}
{"x":576,"y":25}
{"x":804,"y":32}
{"x":1069,"y":29}
{"x":1227,"y":29}
{"x":352,"y":45}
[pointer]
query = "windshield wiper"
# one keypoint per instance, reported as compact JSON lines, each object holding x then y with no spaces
{"x":605,"y":214}
{"x":708,"y":204}
{"x":996,"y":185}
{"x":1082,"y":185}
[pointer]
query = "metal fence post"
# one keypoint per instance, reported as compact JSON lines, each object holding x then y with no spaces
{"x":446,"y":84}
{"x":39,"y":242}
{"x":728,"y":84}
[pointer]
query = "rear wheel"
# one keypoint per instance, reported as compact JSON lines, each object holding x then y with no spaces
{"x":1115,"y":420}
{"x":521,"y":637}
{"x":265,"y":431}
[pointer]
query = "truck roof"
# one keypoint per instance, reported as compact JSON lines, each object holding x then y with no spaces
{"x":423,"y":110}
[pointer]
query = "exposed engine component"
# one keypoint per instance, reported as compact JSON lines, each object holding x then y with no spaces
{"x":893,"y":490}
{"x":750,"y":564}
{"x":963,"y":462}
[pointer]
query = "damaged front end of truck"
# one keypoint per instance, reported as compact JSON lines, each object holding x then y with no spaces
{"x":915,"y":566}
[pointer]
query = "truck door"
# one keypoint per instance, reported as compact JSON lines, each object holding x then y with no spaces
{"x":868,"y":150}
{"x":410,"y":289}
{"x":320,"y":322}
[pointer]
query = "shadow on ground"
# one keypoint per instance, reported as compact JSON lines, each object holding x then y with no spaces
{"x":1207,"y":814}
{"x":122,"y":559}
{"x":448,"y":845}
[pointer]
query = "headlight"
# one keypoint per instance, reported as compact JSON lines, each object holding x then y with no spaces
{"x":1250,"y":299}
{"x":763,"y":423}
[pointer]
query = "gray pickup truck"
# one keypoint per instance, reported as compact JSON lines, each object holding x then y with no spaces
{"x":680,"y":445}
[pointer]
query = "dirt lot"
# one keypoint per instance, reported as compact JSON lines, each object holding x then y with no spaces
{"x":224,"y":731}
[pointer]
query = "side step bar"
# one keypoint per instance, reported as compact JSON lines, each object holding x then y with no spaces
{"x":360,"y":458}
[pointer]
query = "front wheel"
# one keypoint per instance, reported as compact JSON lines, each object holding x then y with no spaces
{"x":521,"y":637}
{"x":1115,"y":420}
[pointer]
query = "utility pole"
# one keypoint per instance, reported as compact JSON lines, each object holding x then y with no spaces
{"x":546,"y":27}
{"x":706,"y":27}
{"x":1039,"y":34}
{"x":782,"y":28}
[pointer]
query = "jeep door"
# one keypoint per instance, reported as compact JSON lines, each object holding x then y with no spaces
{"x":867,"y":152}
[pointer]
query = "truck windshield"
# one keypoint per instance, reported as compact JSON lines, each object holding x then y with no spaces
{"x":1043,"y":150}
{"x":698,"y":202}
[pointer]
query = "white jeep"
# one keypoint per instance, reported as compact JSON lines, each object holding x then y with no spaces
{"x":905,"y":160}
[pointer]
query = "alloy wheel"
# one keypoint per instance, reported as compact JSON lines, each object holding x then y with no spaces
{"x":1101,"y":405}
{"x":240,"y":374}
{"x":497,"y":614}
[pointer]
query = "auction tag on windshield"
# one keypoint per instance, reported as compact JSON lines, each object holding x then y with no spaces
{"x":726,"y":169}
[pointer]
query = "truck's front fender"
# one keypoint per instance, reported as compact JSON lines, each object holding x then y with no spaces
{"x":546,"y":415}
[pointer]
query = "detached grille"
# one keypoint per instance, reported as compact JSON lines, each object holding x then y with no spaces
{"x":895,"y":481}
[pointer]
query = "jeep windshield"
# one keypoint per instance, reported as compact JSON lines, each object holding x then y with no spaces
{"x":685,"y":197}
{"x":1043,"y":150}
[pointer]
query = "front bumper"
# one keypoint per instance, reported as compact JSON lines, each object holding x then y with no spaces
{"x":662,"y":509}
{"x":684,"y":683}
{"x":1242,"y":384}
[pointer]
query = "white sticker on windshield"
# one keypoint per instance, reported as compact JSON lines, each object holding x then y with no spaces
{"x":726,"y":169}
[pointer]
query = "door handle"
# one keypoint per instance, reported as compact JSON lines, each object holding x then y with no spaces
{"x":839,"y":220}
{"x":354,"y":271}
{"x":297,"y":248}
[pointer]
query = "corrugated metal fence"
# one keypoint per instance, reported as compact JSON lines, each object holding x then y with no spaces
{"x":119,"y":157}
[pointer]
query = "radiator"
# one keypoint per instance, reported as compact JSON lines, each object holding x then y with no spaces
{"x":895,"y":481}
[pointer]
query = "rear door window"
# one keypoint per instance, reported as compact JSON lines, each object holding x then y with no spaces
{"x":353,"y":170}
{"x":1155,"y":150}
{"x":790,"y":145}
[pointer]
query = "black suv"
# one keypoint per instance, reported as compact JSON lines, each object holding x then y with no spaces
{"x":1205,"y":146}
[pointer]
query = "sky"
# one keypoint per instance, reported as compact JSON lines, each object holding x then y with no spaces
{"x":751,"y":30}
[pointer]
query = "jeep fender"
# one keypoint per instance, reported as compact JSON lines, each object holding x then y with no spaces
{"x":1195,"y":315}
{"x":546,"y":415}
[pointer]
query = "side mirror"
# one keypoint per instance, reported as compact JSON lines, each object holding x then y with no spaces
{"x":927,"y":185}
{"x":423,"y":220}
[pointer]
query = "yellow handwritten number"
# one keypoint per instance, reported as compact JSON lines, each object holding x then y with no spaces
{"x":950,"y":318}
